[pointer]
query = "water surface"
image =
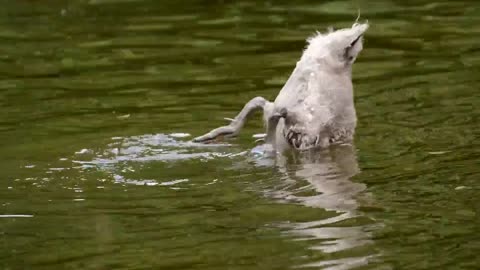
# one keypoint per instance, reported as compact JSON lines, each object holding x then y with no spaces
{"x":100,"y":98}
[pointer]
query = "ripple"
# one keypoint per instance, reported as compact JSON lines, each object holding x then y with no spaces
{"x":125,"y":158}
{"x":16,"y":216}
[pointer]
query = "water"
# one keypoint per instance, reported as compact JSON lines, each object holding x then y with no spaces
{"x":97,"y":172}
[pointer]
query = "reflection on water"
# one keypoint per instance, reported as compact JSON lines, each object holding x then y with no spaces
{"x":328,"y":173}
{"x":322,"y":179}
{"x":318,"y":179}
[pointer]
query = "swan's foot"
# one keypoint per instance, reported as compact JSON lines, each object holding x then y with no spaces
{"x":237,"y":123}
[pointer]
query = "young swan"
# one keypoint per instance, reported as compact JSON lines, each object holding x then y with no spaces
{"x":315,"y":107}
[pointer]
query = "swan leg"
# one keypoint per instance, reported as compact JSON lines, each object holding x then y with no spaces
{"x":237,"y":123}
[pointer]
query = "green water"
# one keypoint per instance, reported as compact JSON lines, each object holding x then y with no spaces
{"x":96,"y":98}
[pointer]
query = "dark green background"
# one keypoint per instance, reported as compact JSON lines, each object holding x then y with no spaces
{"x":113,"y":79}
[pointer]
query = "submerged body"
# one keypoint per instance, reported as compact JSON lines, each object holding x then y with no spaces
{"x":315,"y":108}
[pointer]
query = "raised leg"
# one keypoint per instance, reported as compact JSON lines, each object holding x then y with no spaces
{"x":237,"y":123}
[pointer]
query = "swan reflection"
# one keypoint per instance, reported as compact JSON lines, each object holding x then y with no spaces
{"x":322,"y":179}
